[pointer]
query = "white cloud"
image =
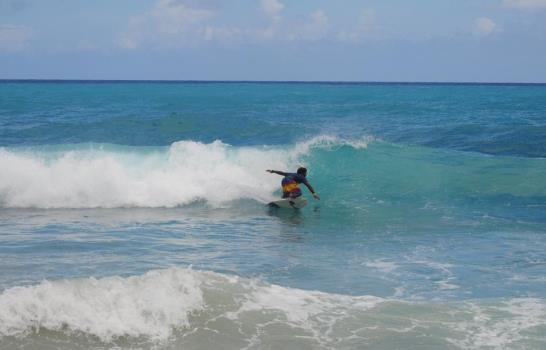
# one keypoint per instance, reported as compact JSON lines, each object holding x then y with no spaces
{"x":86,"y":45}
{"x":173,"y":23}
{"x":313,"y":29}
{"x":140,"y":29}
{"x":365,"y":26}
{"x":14,"y":38}
{"x":272,"y":8}
{"x":484,"y":26}
{"x":173,"y":17}
{"x":525,"y":4}
{"x":316,"y":27}
{"x":319,"y":18}
{"x":211,"y":33}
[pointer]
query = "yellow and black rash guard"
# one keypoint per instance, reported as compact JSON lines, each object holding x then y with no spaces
{"x":291,"y":185}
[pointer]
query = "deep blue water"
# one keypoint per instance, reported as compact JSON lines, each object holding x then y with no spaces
{"x":493,"y":119}
{"x":132,"y":214}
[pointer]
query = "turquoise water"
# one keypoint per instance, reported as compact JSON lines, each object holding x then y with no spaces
{"x":132,"y":215}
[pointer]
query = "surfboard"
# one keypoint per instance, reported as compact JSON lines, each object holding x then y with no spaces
{"x":295,"y":203}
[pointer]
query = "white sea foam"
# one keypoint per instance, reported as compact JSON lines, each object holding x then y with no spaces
{"x":331,"y":141}
{"x":157,"y":303}
{"x":187,"y":172}
{"x":110,"y":177}
{"x":189,"y":308}
{"x":382,"y":265}
{"x":503,"y":326}
{"x":149,"y":305}
{"x":314,"y":312}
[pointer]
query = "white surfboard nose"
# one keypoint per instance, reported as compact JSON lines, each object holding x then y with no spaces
{"x":296,"y":203}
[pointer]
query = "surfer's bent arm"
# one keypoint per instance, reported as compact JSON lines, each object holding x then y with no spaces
{"x":277,"y":172}
{"x":306,"y":183}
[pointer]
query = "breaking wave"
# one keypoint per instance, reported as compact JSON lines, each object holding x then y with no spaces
{"x":187,"y":307}
{"x":108,"y":176}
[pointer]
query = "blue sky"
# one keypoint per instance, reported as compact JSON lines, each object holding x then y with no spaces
{"x":353,"y":40}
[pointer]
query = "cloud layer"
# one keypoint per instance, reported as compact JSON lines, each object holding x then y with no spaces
{"x":525,"y":4}
{"x":274,"y":39}
{"x":484,"y":26}
{"x":182,"y":23}
{"x":14,"y":37}
{"x":174,"y":23}
{"x":171,"y":23}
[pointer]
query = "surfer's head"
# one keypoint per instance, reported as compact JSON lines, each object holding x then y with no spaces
{"x":302,"y":171}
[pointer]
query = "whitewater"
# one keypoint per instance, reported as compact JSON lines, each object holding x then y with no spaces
{"x":133,"y":216}
{"x":109,"y":176}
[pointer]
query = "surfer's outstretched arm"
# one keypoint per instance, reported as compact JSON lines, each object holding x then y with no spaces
{"x":311,"y":189}
{"x":282,"y":173}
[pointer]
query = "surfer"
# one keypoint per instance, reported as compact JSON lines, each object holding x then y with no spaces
{"x":291,"y":183}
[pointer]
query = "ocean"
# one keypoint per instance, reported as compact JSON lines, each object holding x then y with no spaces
{"x":133,"y":215}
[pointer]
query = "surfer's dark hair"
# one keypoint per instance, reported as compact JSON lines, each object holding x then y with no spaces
{"x":302,"y":171}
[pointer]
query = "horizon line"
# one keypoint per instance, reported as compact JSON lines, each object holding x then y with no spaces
{"x":348,"y":82}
